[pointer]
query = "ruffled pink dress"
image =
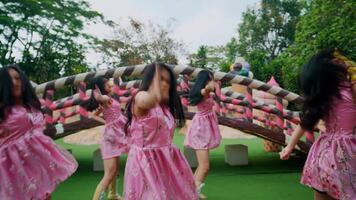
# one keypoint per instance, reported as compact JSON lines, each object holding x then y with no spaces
{"x":155,"y":168}
{"x":204,"y":132}
{"x":331,"y":163}
{"x":31,"y":164}
{"x":114,"y":141}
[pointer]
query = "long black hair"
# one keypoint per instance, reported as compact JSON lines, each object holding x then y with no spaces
{"x":320,"y":80}
{"x":7,"y":99}
{"x":203,"y":78}
{"x":92,"y":104}
{"x":174,"y":103}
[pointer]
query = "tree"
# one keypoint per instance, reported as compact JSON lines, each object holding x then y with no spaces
{"x":267,"y":31}
{"x":327,"y":24}
{"x":200,"y":59}
{"x":231,"y":50}
{"x":140,"y":43}
{"x":46,"y":37}
{"x":215,"y":57}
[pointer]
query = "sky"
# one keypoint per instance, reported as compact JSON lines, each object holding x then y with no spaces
{"x":194,"y":22}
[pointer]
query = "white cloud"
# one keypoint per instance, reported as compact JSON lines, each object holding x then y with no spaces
{"x":209,"y":26}
{"x":119,"y":12}
{"x":198,"y":22}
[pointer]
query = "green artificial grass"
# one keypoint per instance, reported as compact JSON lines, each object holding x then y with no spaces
{"x":266,"y":176}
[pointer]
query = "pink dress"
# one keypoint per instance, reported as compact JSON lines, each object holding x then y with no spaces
{"x":331,"y":163}
{"x":155,"y":167}
{"x":114,"y":142}
{"x":31,"y":164}
{"x":204,"y":132}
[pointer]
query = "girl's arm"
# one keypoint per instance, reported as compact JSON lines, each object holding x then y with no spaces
{"x":96,"y":115}
{"x":297,"y":134}
{"x":103,"y":100}
{"x":208,"y":88}
{"x":145,"y":100}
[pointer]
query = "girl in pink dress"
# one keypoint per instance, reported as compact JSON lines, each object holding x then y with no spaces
{"x":155,"y":167}
{"x":31,"y":164}
{"x":203,"y":133}
{"x":114,"y":142}
{"x":330,"y":168}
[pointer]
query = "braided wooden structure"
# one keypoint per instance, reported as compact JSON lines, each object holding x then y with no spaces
{"x":226,"y":101}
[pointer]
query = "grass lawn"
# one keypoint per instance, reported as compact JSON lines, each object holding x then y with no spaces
{"x":265,"y":178}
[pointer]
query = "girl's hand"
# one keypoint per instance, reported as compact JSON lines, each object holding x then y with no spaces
{"x":97,"y":93}
{"x":321,"y":126}
{"x":285,"y":153}
{"x":145,"y":100}
{"x":210,"y":86}
{"x":203,"y":91}
{"x":155,"y":87}
{"x":104,"y":100}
